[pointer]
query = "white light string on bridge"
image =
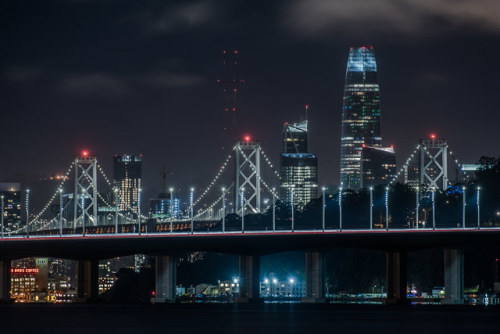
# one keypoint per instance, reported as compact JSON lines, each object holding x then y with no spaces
{"x":270,"y":163}
{"x":407,"y":163}
{"x":56,"y":193}
{"x":260,"y":178}
{"x":201,"y":213}
{"x":213,"y":182}
{"x":450,"y":152}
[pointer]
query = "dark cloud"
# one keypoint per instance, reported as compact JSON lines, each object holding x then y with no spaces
{"x":94,"y":84}
{"x":179,"y":17}
{"x":413,"y":17}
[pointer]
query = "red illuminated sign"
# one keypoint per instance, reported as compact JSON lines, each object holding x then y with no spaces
{"x":23,"y":271}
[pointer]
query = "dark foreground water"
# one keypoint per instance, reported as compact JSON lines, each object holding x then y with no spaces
{"x":230,"y":318}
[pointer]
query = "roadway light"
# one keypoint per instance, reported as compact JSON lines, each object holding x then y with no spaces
{"x":387,"y":208}
{"x":478,"y":212}
{"x":340,"y":209}
{"x":291,"y":205}
{"x":139,"y":210}
{"x":27,"y":211}
{"x":371,"y":208}
{"x":417,"y":205}
{"x":223,"y":209}
{"x":60,"y":212}
{"x":463,"y":206}
{"x":323,"y":224}
{"x":274,"y":209}
{"x":1,"y":217}
{"x":191,"y":198}
{"x":171,"y":209}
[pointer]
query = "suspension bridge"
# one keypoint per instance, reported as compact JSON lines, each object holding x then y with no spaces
{"x":86,"y":210}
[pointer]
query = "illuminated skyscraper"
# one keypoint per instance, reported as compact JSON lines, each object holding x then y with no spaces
{"x":127,"y":173}
{"x":299,"y":169}
{"x":360,"y":114}
{"x":378,"y":166}
{"x":11,"y":193}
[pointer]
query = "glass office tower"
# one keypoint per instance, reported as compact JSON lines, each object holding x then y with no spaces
{"x":299,"y":168}
{"x":360,"y":114}
{"x":127,"y":174}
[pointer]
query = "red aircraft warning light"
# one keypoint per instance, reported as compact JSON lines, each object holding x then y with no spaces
{"x":433,"y":136}
{"x":85,"y":153}
{"x":247,"y":138}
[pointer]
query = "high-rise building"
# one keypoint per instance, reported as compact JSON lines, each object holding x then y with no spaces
{"x":11,"y":193}
{"x":378,"y":165}
{"x":295,"y":138}
{"x":127,"y":172}
{"x":299,"y":169}
{"x":360,"y":114}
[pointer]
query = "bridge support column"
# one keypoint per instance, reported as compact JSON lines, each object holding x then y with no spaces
{"x":166,"y":279}
{"x":88,"y":280}
{"x":249,"y":279}
{"x":396,"y":278}
{"x":454,"y":276}
{"x":315,"y":278}
{"x":4,"y":280}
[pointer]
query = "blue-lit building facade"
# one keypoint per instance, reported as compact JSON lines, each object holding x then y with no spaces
{"x":299,"y":168}
{"x":360,"y":114}
{"x":163,"y":207}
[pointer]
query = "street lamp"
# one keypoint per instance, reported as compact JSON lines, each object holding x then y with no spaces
{"x":323,"y":209}
{"x":433,"y":193}
{"x":139,"y":209}
{"x":478,"y":212}
{"x":171,"y":209}
{"x":417,"y":205}
{"x":291,"y":204}
{"x":340,"y":209}
{"x":387,"y":208}
{"x":60,"y":212}
{"x":463,"y":206}
{"x":274,"y":209}
{"x":191,"y":198}
{"x":1,"y":218}
{"x":116,"y":209}
{"x":27,"y":212}
{"x":371,"y":208}
{"x":223,"y":209}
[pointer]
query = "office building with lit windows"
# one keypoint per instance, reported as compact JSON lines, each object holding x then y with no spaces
{"x":127,"y":174}
{"x":360,"y":114}
{"x":378,"y":166}
{"x":299,"y":169}
{"x":11,"y":193}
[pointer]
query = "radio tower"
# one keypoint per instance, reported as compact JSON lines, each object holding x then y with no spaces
{"x":230,"y":84}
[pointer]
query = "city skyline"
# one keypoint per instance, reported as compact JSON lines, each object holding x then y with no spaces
{"x":430,"y":83}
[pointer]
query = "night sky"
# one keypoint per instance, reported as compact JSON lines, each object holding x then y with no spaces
{"x":136,"y":77}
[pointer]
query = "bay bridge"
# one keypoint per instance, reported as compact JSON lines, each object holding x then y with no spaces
{"x":218,"y":227}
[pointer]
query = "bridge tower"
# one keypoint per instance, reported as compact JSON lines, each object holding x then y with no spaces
{"x":433,"y":166}
{"x":85,"y":193}
{"x":247,"y":175}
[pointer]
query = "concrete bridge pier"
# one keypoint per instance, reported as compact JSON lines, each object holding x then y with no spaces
{"x":88,"y":280}
{"x":249,"y":280}
{"x":315,"y":278}
{"x":166,"y":279}
{"x":396,"y":278}
{"x":4,"y":280}
{"x":454,"y":276}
